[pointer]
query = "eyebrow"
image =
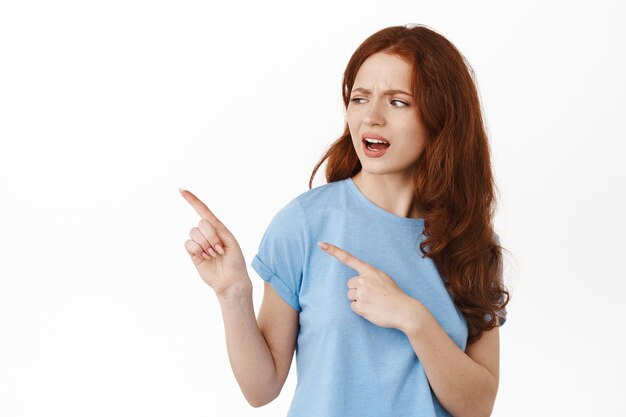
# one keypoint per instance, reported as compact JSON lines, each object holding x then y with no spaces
{"x":387,"y":92}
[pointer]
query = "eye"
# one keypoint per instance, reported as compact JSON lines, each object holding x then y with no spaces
{"x":405,"y":104}
{"x":355,"y":99}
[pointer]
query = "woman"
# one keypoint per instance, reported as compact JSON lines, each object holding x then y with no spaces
{"x":396,"y":312}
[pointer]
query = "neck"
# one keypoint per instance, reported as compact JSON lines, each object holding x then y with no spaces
{"x":391,"y":192}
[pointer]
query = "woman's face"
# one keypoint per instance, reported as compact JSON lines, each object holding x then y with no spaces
{"x":392,"y":115}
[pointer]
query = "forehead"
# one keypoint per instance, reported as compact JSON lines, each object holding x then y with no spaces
{"x":385,"y":71}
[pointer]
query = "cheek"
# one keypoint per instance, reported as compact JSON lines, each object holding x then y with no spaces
{"x":410,"y":145}
{"x":415,"y":135}
{"x":413,"y":146}
{"x":351,"y":119}
{"x":353,"y":127}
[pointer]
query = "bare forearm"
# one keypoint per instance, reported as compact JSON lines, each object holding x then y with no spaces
{"x":248,"y":352}
{"x":463,"y":387}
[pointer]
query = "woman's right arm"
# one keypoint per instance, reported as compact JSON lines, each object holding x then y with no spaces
{"x":217,"y":256}
{"x":248,"y":352}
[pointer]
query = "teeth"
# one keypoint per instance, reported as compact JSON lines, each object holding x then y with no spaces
{"x":370,"y":140}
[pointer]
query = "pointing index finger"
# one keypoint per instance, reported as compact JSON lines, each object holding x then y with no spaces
{"x":347,"y":258}
{"x":200,"y":207}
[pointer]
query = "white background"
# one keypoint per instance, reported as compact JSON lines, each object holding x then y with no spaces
{"x":108,"y":107}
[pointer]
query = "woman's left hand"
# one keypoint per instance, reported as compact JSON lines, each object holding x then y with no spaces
{"x":374,"y":294}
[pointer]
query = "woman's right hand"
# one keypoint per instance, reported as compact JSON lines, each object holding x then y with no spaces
{"x":214,"y":250}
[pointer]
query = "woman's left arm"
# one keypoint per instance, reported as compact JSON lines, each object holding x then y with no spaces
{"x":465,"y":383}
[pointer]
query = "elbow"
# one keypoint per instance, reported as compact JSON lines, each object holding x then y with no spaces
{"x":263,"y":394}
{"x":484,"y":407}
{"x":260,"y":402}
{"x":491,"y":400}
{"x":482,"y":412}
{"x":486,"y":413}
{"x":256,"y":404}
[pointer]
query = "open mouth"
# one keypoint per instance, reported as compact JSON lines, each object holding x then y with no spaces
{"x":375,"y":147}
{"x":374,"y":150}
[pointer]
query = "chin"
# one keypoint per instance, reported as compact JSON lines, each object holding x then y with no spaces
{"x":380,"y":169}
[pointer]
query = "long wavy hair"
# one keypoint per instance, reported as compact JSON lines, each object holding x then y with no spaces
{"x":453,"y":181}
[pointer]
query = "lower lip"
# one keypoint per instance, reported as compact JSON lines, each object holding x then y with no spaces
{"x":373,"y":154}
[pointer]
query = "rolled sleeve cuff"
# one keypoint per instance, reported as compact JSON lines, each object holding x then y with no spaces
{"x":276,"y":282}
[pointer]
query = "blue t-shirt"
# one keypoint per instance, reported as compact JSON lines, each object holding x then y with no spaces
{"x":346,"y":365}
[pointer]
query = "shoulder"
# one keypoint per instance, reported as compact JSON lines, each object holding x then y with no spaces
{"x":320,"y":196}
{"x":307,"y":210}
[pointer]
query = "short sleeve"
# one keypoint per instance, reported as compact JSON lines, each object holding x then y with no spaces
{"x":280,"y":257}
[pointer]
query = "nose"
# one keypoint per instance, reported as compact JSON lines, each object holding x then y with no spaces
{"x":373,"y":115}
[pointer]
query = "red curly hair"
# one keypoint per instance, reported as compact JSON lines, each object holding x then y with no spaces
{"x":453,"y":180}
